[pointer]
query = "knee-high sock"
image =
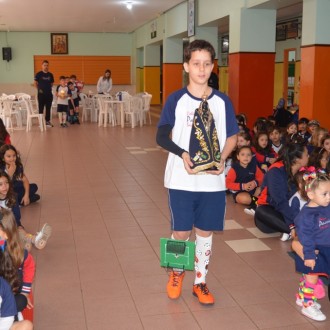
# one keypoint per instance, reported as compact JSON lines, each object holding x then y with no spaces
{"x":60,"y":117}
{"x":202,"y":257}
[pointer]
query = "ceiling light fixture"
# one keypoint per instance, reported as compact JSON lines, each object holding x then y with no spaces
{"x":129,"y":5}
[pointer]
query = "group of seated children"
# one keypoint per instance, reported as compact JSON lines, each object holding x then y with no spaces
{"x":67,"y":93}
{"x":17,"y":266}
{"x":265,"y":142}
{"x":255,"y":152}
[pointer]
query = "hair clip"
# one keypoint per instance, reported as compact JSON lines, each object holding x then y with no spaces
{"x":307,"y":169}
{"x":3,"y":244}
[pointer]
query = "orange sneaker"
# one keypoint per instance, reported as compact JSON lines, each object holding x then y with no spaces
{"x":174,"y":284}
{"x":203,"y":294}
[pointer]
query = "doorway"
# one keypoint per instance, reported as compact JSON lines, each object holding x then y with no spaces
{"x":289,"y":76}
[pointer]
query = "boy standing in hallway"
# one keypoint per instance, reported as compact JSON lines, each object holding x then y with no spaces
{"x":196,"y":201}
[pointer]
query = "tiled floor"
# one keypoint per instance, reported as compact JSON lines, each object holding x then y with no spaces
{"x":102,"y":191}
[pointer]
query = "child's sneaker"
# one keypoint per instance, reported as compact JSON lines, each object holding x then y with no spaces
{"x":285,"y":237}
{"x":203,"y":294}
{"x":174,"y":285}
{"x":249,"y":211}
{"x":300,"y":303}
{"x":42,"y":236}
{"x":313,"y":313}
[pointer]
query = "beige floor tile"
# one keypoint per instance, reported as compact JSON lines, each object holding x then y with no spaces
{"x":247,"y":245}
{"x":259,"y":234}
{"x":232,"y":224}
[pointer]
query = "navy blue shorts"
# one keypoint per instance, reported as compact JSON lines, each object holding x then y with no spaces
{"x":62,"y":108}
{"x":203,"y":210}
{"x":322,"y":262}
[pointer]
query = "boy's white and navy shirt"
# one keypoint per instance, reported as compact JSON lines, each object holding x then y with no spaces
{"x":178,"y":112}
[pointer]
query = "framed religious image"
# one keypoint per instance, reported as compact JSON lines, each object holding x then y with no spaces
{"x":292,"y":29}
{"x":59,"y":43}
{"x":191,"y":18}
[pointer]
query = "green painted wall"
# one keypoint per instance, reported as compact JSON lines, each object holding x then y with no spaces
{"x":27,"y":44}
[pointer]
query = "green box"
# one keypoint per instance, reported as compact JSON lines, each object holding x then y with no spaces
{"x":177,"y":254}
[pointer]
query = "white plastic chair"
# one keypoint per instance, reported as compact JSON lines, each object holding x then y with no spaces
{"x":8,"y":109}
{"x":146,"y":100}
{"x":33,"y":113}
{"x":106,"y":113}
{"x":87,"y":107}
{"x":22,"y":106}
{"x":134,"y":113}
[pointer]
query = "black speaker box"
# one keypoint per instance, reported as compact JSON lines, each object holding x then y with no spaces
{"x":6,"y":53}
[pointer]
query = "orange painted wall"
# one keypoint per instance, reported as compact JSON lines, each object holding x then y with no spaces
{"x":139,"y":80}
{"x":152,"y":82}
{"x":251,"y":84}
{"x":88,"y":68}
{"x":172,"y":78}
{"x":315,"y":83}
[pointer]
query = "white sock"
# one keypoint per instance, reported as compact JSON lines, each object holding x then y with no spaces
{"x":202,"y":257}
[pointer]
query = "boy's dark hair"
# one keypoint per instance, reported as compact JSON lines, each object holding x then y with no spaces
{"x":73,"y":76}
{"x":45,"y":61}
{"x":70,"y":83}
{"x":62,"y":77}
{"x":303,"y":120}
{"x":198,"y":45}
{"x":272,"y":128}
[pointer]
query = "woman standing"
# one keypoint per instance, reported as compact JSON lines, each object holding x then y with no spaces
{"x":104,"y":84}
{"x":274,"y":213}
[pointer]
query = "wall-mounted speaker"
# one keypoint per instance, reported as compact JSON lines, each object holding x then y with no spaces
{"x":6,"y":53}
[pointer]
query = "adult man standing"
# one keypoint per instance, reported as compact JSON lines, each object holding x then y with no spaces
{"x":43,"y":81}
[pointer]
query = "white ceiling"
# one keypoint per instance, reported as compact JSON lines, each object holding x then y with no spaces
{"x":104,"y":15}
{"x":79,"y":15}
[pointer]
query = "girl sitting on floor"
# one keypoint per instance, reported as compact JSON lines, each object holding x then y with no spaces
{"x":265,"y":155}
{"x":244,"y":179}
{"x":8,"y":201}
{"x":22,"y":260}
{"x":10,"y":162}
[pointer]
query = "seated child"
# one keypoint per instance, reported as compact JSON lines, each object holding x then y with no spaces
{"x":302,"y":129}
{"x":274,"y":135}
{"x":265,"y":154}
{"x":244,"y":179}
{"x":319,"y":158}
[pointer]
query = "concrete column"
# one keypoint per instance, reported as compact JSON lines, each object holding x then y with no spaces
{"x":252,"y":61}
{"x":152,"y":72}
{"x":315,"y":55}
